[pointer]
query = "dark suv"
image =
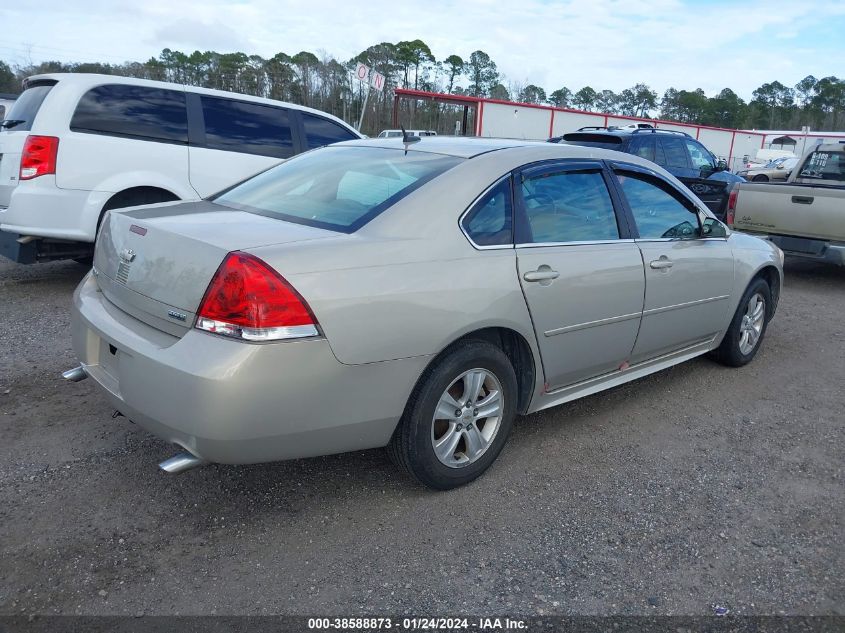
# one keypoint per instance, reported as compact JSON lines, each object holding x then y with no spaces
{"x":678,"y":153}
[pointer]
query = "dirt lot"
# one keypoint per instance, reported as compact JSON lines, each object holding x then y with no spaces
{"x":696,"y":488}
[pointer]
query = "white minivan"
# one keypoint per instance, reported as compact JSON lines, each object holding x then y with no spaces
{"x":75,"y":145}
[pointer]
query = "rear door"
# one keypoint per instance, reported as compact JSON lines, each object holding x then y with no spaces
{"x":232,"y":140}
{"x":581,"y":273}
{"x":688,"y":278}
{"x":17,"y":124}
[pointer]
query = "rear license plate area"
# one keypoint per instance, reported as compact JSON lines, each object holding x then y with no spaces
{"x":109,"y":358}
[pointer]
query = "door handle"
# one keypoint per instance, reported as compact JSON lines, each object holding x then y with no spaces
{"x":802,"y":199}
{"x":663,"y":262}
{"x":544,"y":273}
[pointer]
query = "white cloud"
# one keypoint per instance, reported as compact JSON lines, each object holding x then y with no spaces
{"x":553,"y":43}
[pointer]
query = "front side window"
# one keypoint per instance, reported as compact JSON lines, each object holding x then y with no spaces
{"x":700,"y":157}
{"x":490,"y":221}
{"x":320,"y":131}
{"x":249,"y":128}
{"x":658,"y":211}
{"x":569,"y":206}
{"x":676,"y":153}
{"x":134,"y":112}
{"x":337,"y":188}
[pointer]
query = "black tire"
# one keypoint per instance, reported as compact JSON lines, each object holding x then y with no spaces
{"x":760,"y":178}
{"x":729,"y":352}
{"x":411,"y":446}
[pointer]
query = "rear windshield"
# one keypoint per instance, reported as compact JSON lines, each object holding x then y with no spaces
{"x":822,"y":165}
{"x":336,"y":188}
{"x":26,"y":107}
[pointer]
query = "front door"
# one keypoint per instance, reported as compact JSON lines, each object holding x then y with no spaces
{"x":689,"y":278}
{"x":581,"y":274}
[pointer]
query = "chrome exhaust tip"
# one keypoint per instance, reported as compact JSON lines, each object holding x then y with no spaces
{"x":75,"y":375}
{"x":181,"y":462}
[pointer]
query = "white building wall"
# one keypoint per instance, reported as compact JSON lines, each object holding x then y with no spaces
{"x":566,"y":122}
{"x":512,"y":121}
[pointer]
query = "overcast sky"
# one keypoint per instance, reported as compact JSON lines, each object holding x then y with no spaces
{"x":551,"y":43}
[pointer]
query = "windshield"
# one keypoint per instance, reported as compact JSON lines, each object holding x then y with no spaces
{"x":23,"y":110}
{"x":336,"y":188}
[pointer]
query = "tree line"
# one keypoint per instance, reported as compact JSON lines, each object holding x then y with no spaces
{"x":326,"y":83}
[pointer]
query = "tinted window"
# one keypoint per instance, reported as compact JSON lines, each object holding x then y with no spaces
{"x":700,"y":157}
{"x":490,"y":220}
{"x":676,"y":152}
{"x":250,"y":128}
{"x":644,"y":147}
{"x":657,"y":211}
{"x":569,"y":207}
{"x":26,"y":106}
{"x":134,"y":112}
{"x":320,"y":131}
{"x":338,"y":188}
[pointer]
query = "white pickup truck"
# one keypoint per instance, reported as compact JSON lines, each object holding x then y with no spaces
{"x":805,"y":216}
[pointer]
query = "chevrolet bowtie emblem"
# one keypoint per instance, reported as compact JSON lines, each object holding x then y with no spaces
{"x":127,"y":255}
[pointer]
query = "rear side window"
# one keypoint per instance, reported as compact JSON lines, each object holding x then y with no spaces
{"x":823,"y":165}
{"x":569,"y":207}
{"x":249,"y":128}
{"x":26,"y":106}
{"x":676,"y":152}
{"x":320,"y":131}
{"x":644,"y":148}
{"x":337,"y":188}
{"x":490,"y":220}
{"x":138,"y":112}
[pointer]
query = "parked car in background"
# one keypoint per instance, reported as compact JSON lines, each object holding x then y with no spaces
{"x":418,"y":295}
{"x":398,"y":133}
{"x":765,"y":156}
{"x":678,"y":153}
{"x":775,"y":170}
{"x":805,"y":216}
{"x":74,"y":146}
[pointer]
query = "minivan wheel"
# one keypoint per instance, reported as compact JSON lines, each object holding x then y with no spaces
{"x":458,"y":418}
{"x":748,"y":326}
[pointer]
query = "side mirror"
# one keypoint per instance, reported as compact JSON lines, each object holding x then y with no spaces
{"x":721,"y":165}
{"x":713,"y":228}
{"x":781,"y":166}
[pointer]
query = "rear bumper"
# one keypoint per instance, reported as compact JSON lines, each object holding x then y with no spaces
{"x":233,"y":402}
{"x":817,"y":250}
{"x":38,"y":207}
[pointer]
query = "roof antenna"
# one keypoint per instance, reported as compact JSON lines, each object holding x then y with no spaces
{"x":407,"y":139}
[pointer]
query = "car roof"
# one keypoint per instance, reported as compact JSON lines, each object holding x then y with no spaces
{"x":617,"y":133}
{"x":92,"y":80}
{"x":459,"y":146}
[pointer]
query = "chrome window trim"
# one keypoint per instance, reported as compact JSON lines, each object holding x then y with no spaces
{"x":681,"y":239}
{"x":471,"y":206}
{"x":583,"y":243}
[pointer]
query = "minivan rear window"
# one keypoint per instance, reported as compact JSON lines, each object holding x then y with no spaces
{"x":320,"y":131}
{"x":336,"y":188}
{"x":26,"y":106}
{"x":152,"y":114}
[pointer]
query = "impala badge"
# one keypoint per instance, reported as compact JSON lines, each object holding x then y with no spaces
{"x":179,"y":316}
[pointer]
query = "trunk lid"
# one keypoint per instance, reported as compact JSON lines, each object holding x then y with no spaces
{"x":155,"y":262}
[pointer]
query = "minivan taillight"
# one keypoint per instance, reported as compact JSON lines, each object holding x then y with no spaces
{"x":731,"y":212}
{"x":38,"y":157}
{"x":248,"y":300}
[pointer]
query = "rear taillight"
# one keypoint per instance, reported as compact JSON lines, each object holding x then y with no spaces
{"x":38,"y":157}
{"x":248,"y":300}
{"x":731,"y":212}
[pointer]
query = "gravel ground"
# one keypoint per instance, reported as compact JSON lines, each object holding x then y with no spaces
{"x":696,"y":488}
